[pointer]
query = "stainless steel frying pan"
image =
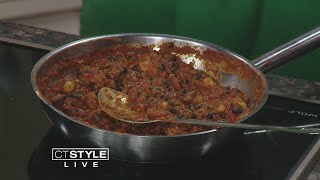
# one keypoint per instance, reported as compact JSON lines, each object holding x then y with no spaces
{"x":236,"y":72}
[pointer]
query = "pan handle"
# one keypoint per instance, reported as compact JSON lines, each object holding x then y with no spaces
{"x":288,"y":51}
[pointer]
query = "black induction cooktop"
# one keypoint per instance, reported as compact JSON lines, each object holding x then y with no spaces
{"x":27,"y":138}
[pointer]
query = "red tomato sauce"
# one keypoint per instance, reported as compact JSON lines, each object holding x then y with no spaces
{"x":157,"y":83}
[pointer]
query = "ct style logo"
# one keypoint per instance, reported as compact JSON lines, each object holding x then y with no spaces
{"x":80,"y":157}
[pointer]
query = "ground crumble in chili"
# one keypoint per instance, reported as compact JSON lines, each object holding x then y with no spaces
{"x":157,"y":83}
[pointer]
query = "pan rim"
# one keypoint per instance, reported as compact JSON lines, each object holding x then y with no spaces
{"x":41,"y":61}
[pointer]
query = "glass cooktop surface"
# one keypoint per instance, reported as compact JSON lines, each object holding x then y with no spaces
{"x":27,"y":136}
